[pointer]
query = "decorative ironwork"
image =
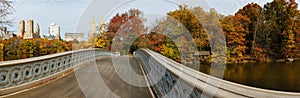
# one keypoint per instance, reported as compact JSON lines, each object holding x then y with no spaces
{"x":17,"y":72}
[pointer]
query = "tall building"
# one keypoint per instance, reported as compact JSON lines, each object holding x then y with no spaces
{"x":93,"y":28}
{"x":29,"y":34}
{"x":37,"y":31}
{"x":21,"y":29}
{"x":96,"y":30}
{"x":74,"y":36}
{"x":54,"y":30}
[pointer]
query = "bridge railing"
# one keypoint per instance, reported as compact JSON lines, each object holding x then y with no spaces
{"x":181,"y":79}
{"x":18,"y":74}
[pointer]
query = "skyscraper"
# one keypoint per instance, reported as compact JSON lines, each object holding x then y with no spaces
{"x":54,"y":30}
{"x":93,"y":27}
{"x":37,"y":31}
{"x":29,"y":29}
{"x":93,"y":30}
{"x":21,"y":28}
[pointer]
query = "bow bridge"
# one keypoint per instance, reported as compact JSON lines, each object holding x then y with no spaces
{"x":94,"y":73}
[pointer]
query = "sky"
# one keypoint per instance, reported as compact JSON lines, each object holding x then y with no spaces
{"x":75,"y":15}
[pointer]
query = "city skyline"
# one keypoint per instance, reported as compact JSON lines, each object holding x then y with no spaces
{"x":49,"y":11}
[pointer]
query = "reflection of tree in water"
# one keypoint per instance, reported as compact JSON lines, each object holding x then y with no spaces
{"x":235,"y":73}
{"x":205,"y":68}
{"x":247,"y":74}
{"x":280,"y":76}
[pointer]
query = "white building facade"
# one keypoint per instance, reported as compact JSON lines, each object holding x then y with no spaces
{"x":74,"y":36}
{"x":54,"y":30}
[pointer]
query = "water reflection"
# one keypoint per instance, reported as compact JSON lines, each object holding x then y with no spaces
{"x":281,"y":76}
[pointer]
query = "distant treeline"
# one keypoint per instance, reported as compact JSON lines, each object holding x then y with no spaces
{"x":15,"y":46}
{"x":254,"y":33}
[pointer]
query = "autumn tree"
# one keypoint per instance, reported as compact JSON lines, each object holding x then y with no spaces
{"x":235,"y":28}
{"x":100,"y":42}
{"x":297,"y":50}
{"x":123,"y":27}
{"x":160,"y":43}
{"x":281,"y":18}
{"x":33,"y":46}
{"x":255,"y":13}
{"x":187,"y":18}
{"x":291,"y":31}
{"x":127,"y":33}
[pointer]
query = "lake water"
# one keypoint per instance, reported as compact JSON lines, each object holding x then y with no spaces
{"x":280,"y":76}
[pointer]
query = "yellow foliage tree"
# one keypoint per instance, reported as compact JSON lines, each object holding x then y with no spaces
{"x":100,"y":43}
{"x":169,"y":50}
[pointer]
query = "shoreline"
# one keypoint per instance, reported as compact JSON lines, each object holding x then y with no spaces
{"x":263,"y":61}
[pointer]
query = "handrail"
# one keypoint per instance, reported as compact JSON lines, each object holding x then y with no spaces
{"x":22,"y":61}
{"x":19,"y":73}
{"x":198,"y":81}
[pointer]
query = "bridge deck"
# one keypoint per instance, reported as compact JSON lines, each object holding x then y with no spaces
{"x":68,"y":86}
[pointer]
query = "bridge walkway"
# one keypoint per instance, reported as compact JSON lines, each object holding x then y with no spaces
{"x":69,"y":87}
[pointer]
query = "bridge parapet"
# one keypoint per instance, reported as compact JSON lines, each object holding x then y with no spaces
{"x":174,"y":80}
{"x":18,"y":74}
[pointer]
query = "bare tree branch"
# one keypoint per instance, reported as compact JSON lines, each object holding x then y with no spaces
{"x":6,"y":9}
